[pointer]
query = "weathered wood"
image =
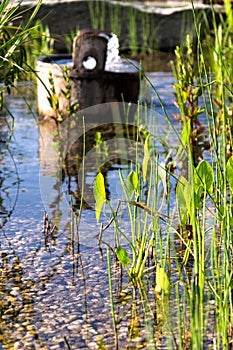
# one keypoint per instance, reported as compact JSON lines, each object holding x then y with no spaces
{"x":89,"y":44}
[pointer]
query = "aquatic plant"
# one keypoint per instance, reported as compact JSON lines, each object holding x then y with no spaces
{"x":69,"y":38}
{"x":120,"y":20}
{"x":13,"y":38}
{"x":198,"y":273}
{"x":38,"y":43}
{"x":97,"y":14}
{"x":187,"y":99}
{"x":13,"y":65}
{"x":218,"y":55}
{"x":167,"y":294}
{"x":217,"y":207}
{"x":54,"y":101}
{"x":141,"y":238}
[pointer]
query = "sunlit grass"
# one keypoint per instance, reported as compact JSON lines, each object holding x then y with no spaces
{"x":175,"y":261}
{"x":199,"y":274}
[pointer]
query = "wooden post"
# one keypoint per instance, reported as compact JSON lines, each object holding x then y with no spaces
{"x":89,"y":44}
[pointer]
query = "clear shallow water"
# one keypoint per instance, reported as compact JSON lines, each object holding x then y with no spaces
{"x":53,"y":289}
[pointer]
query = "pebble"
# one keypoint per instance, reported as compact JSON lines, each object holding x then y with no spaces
{"x":72,"y":327}
{"x":15,"y":292}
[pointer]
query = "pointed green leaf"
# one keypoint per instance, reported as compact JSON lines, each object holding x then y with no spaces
{"x":203,"y":177}
{"x":122,"y":256}
{"x":162,"y":281}
{"x":186,"y":134}
{"x":99,"y":194}
{"x":146,"y":157}
{"x":99,"y":187}
{"x":188,"y":196}
{"x":182,"y":197}
{"x":132,"y":183}
{"x":203,"y":180}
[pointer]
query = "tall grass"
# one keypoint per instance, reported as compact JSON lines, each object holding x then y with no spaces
{"x":13,"y":56}
{"x":124,"y":20}
{"x":38,"y":43}
{"x":221,"y":97}
{"x":177,"y":258}
{"x":192,"y":250}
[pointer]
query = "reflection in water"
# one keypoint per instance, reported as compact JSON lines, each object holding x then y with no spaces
{"x":54,"y":287}
{"x":9,"y":180}
{"x":104,"y":138}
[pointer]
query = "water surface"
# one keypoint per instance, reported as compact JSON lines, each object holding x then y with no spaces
{"x":53,"y":281}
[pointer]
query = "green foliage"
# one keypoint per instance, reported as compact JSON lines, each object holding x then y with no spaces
{"x":183,"y":198}
{"x":97,"y":14}
{"x":142,"y":237}
{"x":119,"y":19}
{"x":100,"y":145}
{"x":185,"y":136}
{"x":53,"y":98}
{"x":99,"y":194}
{"x":188,"y":91}
{"x":72,"y":106}
{"x":115,"y":15}
{"x":13,"y":39}
{"x":149,"y":33}
{"x":100,"y":344}
{"x":162,"y":174}
{"x":146,"y":156}
{"x":203,"y":266}
{"x":69,"y":38}
{"x":219,"y":58}
{"x":39,"y":43}
{"x":203,"y":180}
{"x":211,"y":233}
{"x":133,"y":184}
{"x":132,"y":20}
{"x":122,"y":256}
{"x":162,"y":280}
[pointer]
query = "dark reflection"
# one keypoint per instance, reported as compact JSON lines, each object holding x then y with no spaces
{"x":9,"y":179}
{"x":87,"y":153}
{"x":100,"y":138}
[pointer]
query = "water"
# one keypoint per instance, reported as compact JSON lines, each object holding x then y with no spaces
{"x":52,"y":289}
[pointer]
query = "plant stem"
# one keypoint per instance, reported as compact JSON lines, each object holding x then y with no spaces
{"x":111,"y":298}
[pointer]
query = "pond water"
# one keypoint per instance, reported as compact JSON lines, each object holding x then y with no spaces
{"x":53,"y":282}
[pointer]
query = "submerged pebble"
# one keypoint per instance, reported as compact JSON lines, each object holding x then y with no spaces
{"x":52,"y":290}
